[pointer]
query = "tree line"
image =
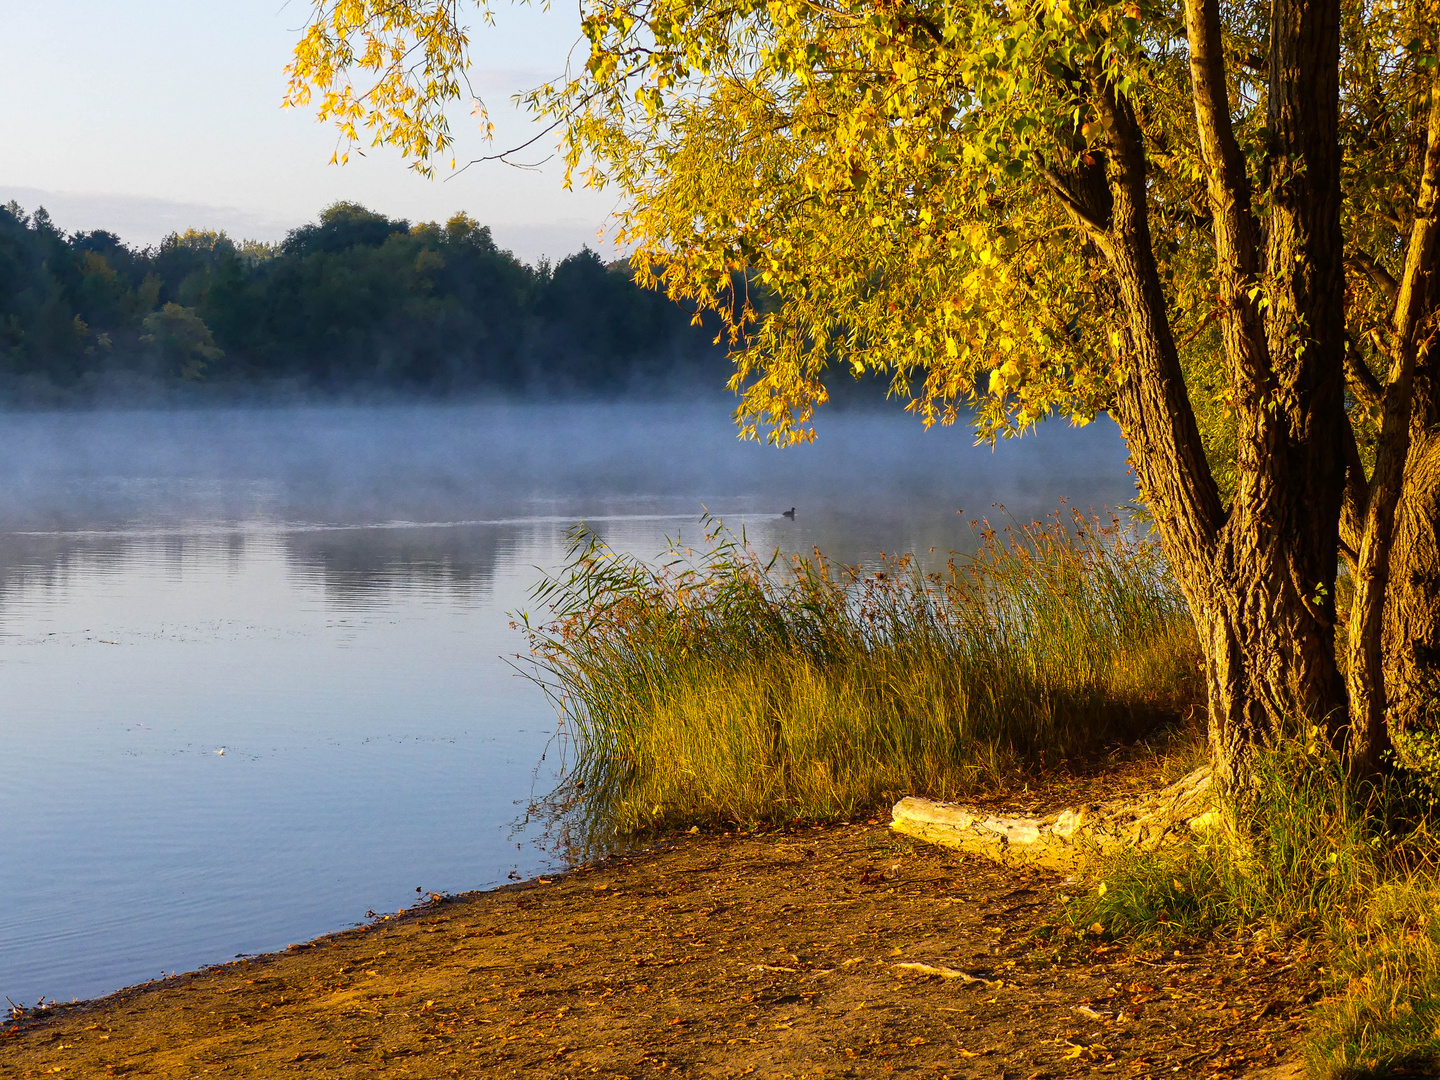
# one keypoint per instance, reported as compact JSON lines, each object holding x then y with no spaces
{"x":355,"y":301}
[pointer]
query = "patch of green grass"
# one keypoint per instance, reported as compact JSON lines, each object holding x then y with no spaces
{"x":1385,"y":1019}
{"x":717,"y":686}
{"x":1352,"y":868}
{"x":1312,"y":848}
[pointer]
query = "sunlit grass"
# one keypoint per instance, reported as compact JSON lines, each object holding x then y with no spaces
{"x":718,"y":686}
{"x":1351,"y":871}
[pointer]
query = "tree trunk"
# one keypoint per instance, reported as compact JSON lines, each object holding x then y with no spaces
{"x":1412,"y":611}
{"x":1396,"y":482}
{"x":1269,"y":654}
{"x":1260,"y":574}
{"x":1261,"y":592}
{"x":1295,"y":507}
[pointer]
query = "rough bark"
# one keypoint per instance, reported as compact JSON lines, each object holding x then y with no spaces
{"x":1369,"y":737}
{"x":1411,"y":639}
{"x":1296,"y":500}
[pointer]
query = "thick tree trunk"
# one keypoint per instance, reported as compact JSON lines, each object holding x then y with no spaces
{"x":1296,"y":501}
{"x":1269,"y":662}
{"x":1259,"y":575}
{"x":1262,"y":594}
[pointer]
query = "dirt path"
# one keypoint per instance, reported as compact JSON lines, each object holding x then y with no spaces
{"x":713,"y":956}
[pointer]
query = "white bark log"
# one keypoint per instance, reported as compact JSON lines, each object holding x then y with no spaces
{"x":1061,"y":841}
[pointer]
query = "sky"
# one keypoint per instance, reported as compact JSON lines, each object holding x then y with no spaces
{"x":152,"y":116}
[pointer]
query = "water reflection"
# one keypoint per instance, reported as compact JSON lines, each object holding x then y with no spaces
{"x":323,"y":594}
{"x":356,"y":565}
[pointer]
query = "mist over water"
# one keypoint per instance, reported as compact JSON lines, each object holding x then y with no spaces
{"x":322,"y":593}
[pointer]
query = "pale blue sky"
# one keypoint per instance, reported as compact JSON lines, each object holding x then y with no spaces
{"x":153,"y":115}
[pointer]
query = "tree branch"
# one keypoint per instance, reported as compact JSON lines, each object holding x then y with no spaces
{"x":1378,"y":275}
{"x":1362,"y":382}
{"x":1236,"y":236}
{"x":1226,"y":180}
{"x":1153,"y":404}
{"x":1419,"y":257}
{"x":1356,"y":504}
{"x":1098,"y":227}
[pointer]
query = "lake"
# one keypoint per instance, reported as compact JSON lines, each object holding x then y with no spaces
{"x":256,"y":674}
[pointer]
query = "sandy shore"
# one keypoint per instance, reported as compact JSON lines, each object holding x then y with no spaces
{"x":779,"y":955}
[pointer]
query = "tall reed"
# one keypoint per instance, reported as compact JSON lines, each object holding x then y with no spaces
{"x":715,"y":685}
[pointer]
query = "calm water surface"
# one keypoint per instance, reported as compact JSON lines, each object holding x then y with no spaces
{"x":252,"y":663}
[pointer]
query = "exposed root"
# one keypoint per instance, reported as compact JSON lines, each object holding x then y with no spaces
{"x":1060,"y":841}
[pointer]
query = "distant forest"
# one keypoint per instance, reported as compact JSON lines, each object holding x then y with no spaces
{"x":354,"y":303}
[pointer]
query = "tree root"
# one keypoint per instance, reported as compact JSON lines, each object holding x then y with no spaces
{"x":1061,"y":841}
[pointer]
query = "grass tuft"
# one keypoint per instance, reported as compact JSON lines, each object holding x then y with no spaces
{"x":1352,"y":868}
{"x":722,"y":687}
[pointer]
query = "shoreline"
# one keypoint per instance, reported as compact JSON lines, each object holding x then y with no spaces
{"x":707,"y":955}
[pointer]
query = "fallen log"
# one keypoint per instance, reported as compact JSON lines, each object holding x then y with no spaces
{"x":1062,"y":840}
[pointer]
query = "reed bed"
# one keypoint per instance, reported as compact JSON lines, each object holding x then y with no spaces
{"x":714,"y":685}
